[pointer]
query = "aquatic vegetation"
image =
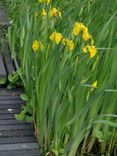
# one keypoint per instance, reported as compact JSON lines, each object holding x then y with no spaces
{"x":67,"y":51}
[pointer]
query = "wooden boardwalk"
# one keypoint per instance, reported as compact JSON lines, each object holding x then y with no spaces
{"x":16,"y":137}
{"x":6,"y":64}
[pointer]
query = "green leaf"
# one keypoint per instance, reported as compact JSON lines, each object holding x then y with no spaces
{"x":2,"y":81}
{"x":11,"y":86}
{"x":13,"y":77}
{"x":106,"y":122}
{"x":24,"y":97}
{"x":29,"y":119}
{"x":20,"y":116}
{"x":55,"y":152}
{"x":98,"y":134}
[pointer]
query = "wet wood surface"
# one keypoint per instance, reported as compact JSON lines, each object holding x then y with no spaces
{"x":16,"y":137}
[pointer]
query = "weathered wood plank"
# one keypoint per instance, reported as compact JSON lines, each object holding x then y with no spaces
{"x":9,"y":111}
{"x":2,"y":13}
{"x":12,"y":122}
{"x":7,"y":58}
{"x":6,"y":92}
{"x":3,"y":17}
{"x":9,"y":97}
{"x":14,"y":101}
{"x":3,"y":73}
{"x":18,"y":146}
{"x":34,"y":152}
{"x":7,"y":116}
{"x":11,"y":106}
{"x":11,"y":140}
{"x":14,"y":127}
{"x":14,"y":133}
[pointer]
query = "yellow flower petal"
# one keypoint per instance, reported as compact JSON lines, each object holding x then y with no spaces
{"x":94,"y":84}
{"x":52,"y":36}
{"x":43,"y":13}
{"x":56,"y":37}
{"x":35,"y":46}
{"x":55,"y":13}
{"x":92,"y":51}
{"x":64,"y":41}
{"x":86,"y":36}
{"x":85,"y":49}
{"x":77,"y":28}
{"x":48,"y":1}
{"x":70,"y":44}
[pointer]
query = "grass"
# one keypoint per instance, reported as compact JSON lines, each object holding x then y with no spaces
{"x":70,"y":116}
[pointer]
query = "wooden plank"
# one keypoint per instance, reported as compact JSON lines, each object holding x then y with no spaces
{"x":14,"y":127}
{"x":34,"y":152}
{"x":14,"y":133}
{"x":2,"y":13}
{"x":14,"y":101}
{"x":18,"y":146}
{"x":3,"y":18}
{"x":6,"y":92}
{"x":12,"y":122}
{"x":19,"y":139}
{"x":2,"y":10}
{"x":11,"y":106}
{"x":11,"y":90}
{"x":9,"y":111}
{"x":9,"y":97}
{"x":7,"y":116}
{"x":7,"y":58}
{"x":3,"y":73}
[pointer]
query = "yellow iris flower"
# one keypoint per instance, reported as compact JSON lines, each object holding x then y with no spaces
{"x":43,"y":13}
{"x":94,"y":85}
{"x":70,"y":44}
{"x":56,"y":37}
{"x":55,"y":13}
{"x":35,"y":46}
{"x":77,"y":28}
{"x":91,"y":49}
{"x":86,"y":36}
